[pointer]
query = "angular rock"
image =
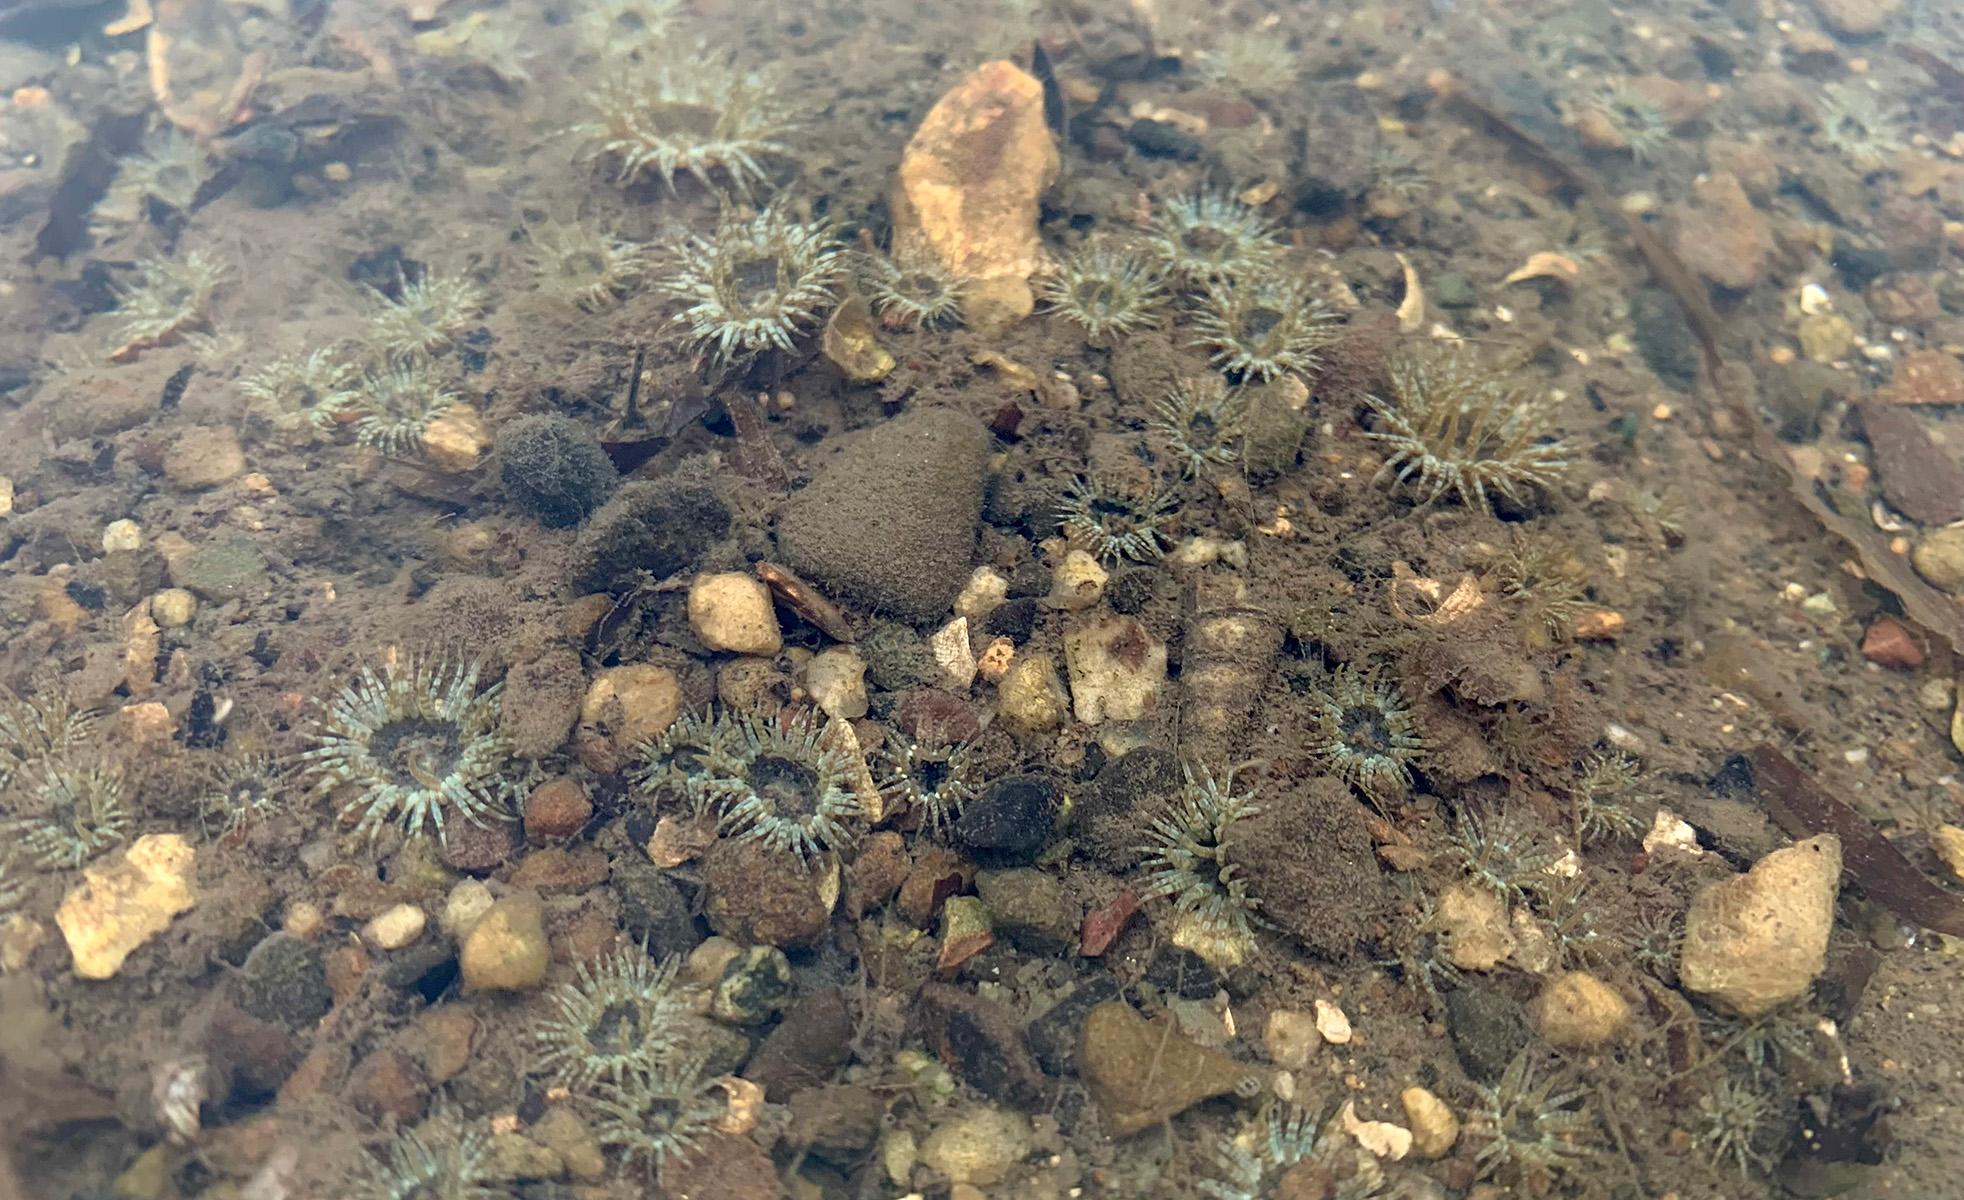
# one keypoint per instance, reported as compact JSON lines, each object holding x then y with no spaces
{"x":1053,"y":1035}
{"x":813,"y":1040}
{"x":982,"y":1043}
{"x":1031,"y":909}
{"x":839,"y":1122}
{"x":125,"y":901}
{"x":732,"y":611}
{"x":1141,"y":1073}
{"x":1577,"y":1011}
{"x":1117,"y":669}
{"x":890,"y":522}
{"x":1031,"y":697}
{"x":653,"y":910}
{"x":1757,"y":941}
{"x":1723,"y":237}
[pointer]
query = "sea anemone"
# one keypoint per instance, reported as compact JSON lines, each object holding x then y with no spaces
{"x":169,"y":170}
{"x":1659,"y":938}
{"x":1452,"y":427}
{"x":1542,"y":579}
{"x":1189,"y":856}
{"x":1732,"y":1117}
{"x":412,"y":742}
{"x":1603,"y":796}
{"x":69,"y":811}
{"x":165,"y":299}
{"x":1198,"y":422}
{"x":1507,"y":856}
{"x":1112,"y":521}
{"x":788,"y":790}
{"x":932,"y":778}
{"x":757,"y":285}
{"x":661,"y":1109}
{"x":242,"y":789}
{"x":1207,"y":235}
{"x":1638,"y":119}
{"x":587,"y":268}
{"x":1262,"y":326}
{"x":912,"y":294}
{"x":1254,"y":62}
{"x":1106,"y":288}
{"x":687,"y":111}
{"x":426,"y":314}
{"x":36,"y":728}
{"x":441,"y":1163}
{"x":11,"y":888}
{"x":697,"y":752}
{"x":1363,"y":730}
{"x":1530,"y":1133}
{"x":614,"y":1017}
{"x":395,"y":406}
{"x":319,"y":384}
{"x":1254,"y":1163}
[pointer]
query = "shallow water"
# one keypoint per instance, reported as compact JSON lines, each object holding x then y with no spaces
{"x":1040,"y":600}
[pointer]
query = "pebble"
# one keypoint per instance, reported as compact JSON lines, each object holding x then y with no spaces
{"x":466,"y":903}
{"x":125,"y":901}
{"x":756,"y":895}
{"x":284,"y":982}
{"x":1939,"y":558}
{"x":966,"y":931}
{"x":513,"y":1157}
{"x":954,"y":657}
{"x":228,"y":567}
{"x":563,"y":1132}
{"x":1723,"y":237}
{"x":1889,"y":643}
{"x":1948,"y":841}
{"x":204,"y":456}
{"x":840,"y":1122}
{"x":388,"y":1084}
{"x":805,"y":1048}
{"x":1925,"y":377}
{"x":1381,"y":1138}
{"x":1473,"y":924}
{"x":1434,"y":1127}
{"x":624,"y":707}
{"x":1577,"y":1011}
{"x":395,"y":927}
{"x":1032,"y":909}
{"x":121,"y":535}
{"x":1757,"y":941}
{"x":1031,"y":698}
{"x":1011,"y":821}
{"x":1077,"y":583}
{"x":754,"y":987}
{"x":556,"y":810}
{"x":1332,"y":1023}
{"x":1291,"y":1038}
{"x":173,"y":608}
{"x":732,"y":611}
{"x":722,"y":1166}
{"x":1488,"y":1029}
{"x":1825,"y":337}
{"x":1141,"y":1073}
{"x":981,"y":1042}
{"x":836,"y":679}
{"x":983,"y":594}
{"x":1117,"y":669}
{"x":978,"y":1145}
{"x":457,"y":440}
{"x":1857,"y":18}
{"x":506,"y":950}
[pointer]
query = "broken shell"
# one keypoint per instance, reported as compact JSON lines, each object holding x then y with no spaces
{"x":1420,"y":600}
{"x":1411,"y":310}
{"x":1814,"y":300}
{"x":1546,"y":265}
{"x":1885,"y":519}
{"x":851,"y":345}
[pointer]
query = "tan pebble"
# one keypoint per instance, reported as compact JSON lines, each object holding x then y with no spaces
{"x":1381,"y":1138}
{"x":994,"y":661}
{"x":20,"y":936}
{"x":978,"y":1146}
{"x":395,"y":927}
{"x":1434,"y":1127}
{"x":6,"y":497}
{"x":146,"y":724}
{"x":122,"y":535}
{"x":563,"y":1132}
{"x":1474,"y":924}
{"x":624,"y":707}
{"x":1117,"y":669}
{"x":732,"y":611}
{"x":506,"y":950}
{"x":1077,"y":583}
{"x":303,"y":919}
{"x":836,"y":679}
{"x":1949,"y":843}
{"x":984,"y":592}
{"x":125,"y":901}
{"x":1577,"y":1011}
{"x":1031,"y":696}
{"x":1757,"y":941}
{"x":173,"y":608}
{"x":706,"y":963}
{"x":456,"y":441}
{"x":1332,"y":1023}
{"x":953,"y":654}
{"x":1290,"y":1037}
{"x":467,"y":902}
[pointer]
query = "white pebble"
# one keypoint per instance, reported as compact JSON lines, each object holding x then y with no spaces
{"x":173,"y":608}
{"x":394,"y":928}
{"x":122,"y":535}
{"x":467,"y":902}
{"x":1332,"y":1023}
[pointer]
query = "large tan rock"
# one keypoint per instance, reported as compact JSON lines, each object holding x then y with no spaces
{"x":126,"y":901}
{"x":969,"y":182}
{"x":1757,"y":941}
{"x":732,"y":611}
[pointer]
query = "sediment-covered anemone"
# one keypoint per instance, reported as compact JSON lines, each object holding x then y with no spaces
{"x":933,"y":778}
{"x":1635,"y":117}
{"x":787,"y":789}
{"x":1260,"y":326}
{"x":614,"y":1017}
{"x":66,"y":811}
{"x":1606,"y":799}
{"x":1198,"y":423}
{"x":165,"y":299}
{"x":1190,"y":858}
{"x":36,"y":728}
{"x":1732,"y":1118}
{"x":757,"y":285}
{"x":1544,"y":581}
{"x":1506,"y":855}
{"x":585,"y":267}
{"x":1451,"y":426}
{"x":169,"y":169}
{"x":686,"y":110}
{"x":243,"y":789}
{"x":437,"y":1163}
{"x":1209,"y":235}
{"x":1106,"y":288}
{"x":426,"y":314}
{"x":1112,"y":521}
{"x":1363,"y":731}
{"x":696,"y":753}
{"x":415,"y":744}
{"x":1530,"y":1133}
{"x":318,"y":384}
{"x":394,"y":407}
{"x":1253,"y":1164}
{"x":912,"y":294}
{"x":661,"y":1110}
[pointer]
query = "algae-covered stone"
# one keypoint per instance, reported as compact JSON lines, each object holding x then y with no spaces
{"x":890,"y":522}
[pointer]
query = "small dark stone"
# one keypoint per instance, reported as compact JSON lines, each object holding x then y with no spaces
{"x":284,"y":981}
{"x":650,"y":528}
{"x":1029,"y":581}
{"x":554,"y":470}
{"x":1183,"y":973}
{"x":982,"y":1043}
{"x":1919,"y":479}
{"x":653,"y":910}
{"x":1054,"y":1035}
{"x":1488,"y":1029}
{"x":1031,"y":909}
{"x":1132,"y":588}
{"x":1011,"y":822}
{"x":479,"y":848}
{"x":1112,"y":812}
{"x":812,"y":1041}
{"x":1013,"y":619}
{"x":839,"y":1123}
{"x":1161,"y":139}
{"x":427,"y":965}
{"x":1657,"y":326}
{"x":896,"y":657}
{"x":1857,"y":265}
{"x":1454,"y":290}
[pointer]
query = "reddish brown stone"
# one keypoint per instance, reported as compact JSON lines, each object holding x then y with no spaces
{"x":1920,"y":479}
{"x":556,"y":871}
{"x":936,"y":875}
{"x":1889,"y":643}
{"x":723,"y":1167}
{"x":556,"y":810}
{"x":388,"y":1083}
{"x":928,"y":715}
{"x":757,"y":895}
{"x":442,"y":1040}
{"x":1102,"y":926}
{"x":345,"y":966}
{"x":1925,"y":377}
{"x":876,"y":874}
{"x":478,"y":849}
